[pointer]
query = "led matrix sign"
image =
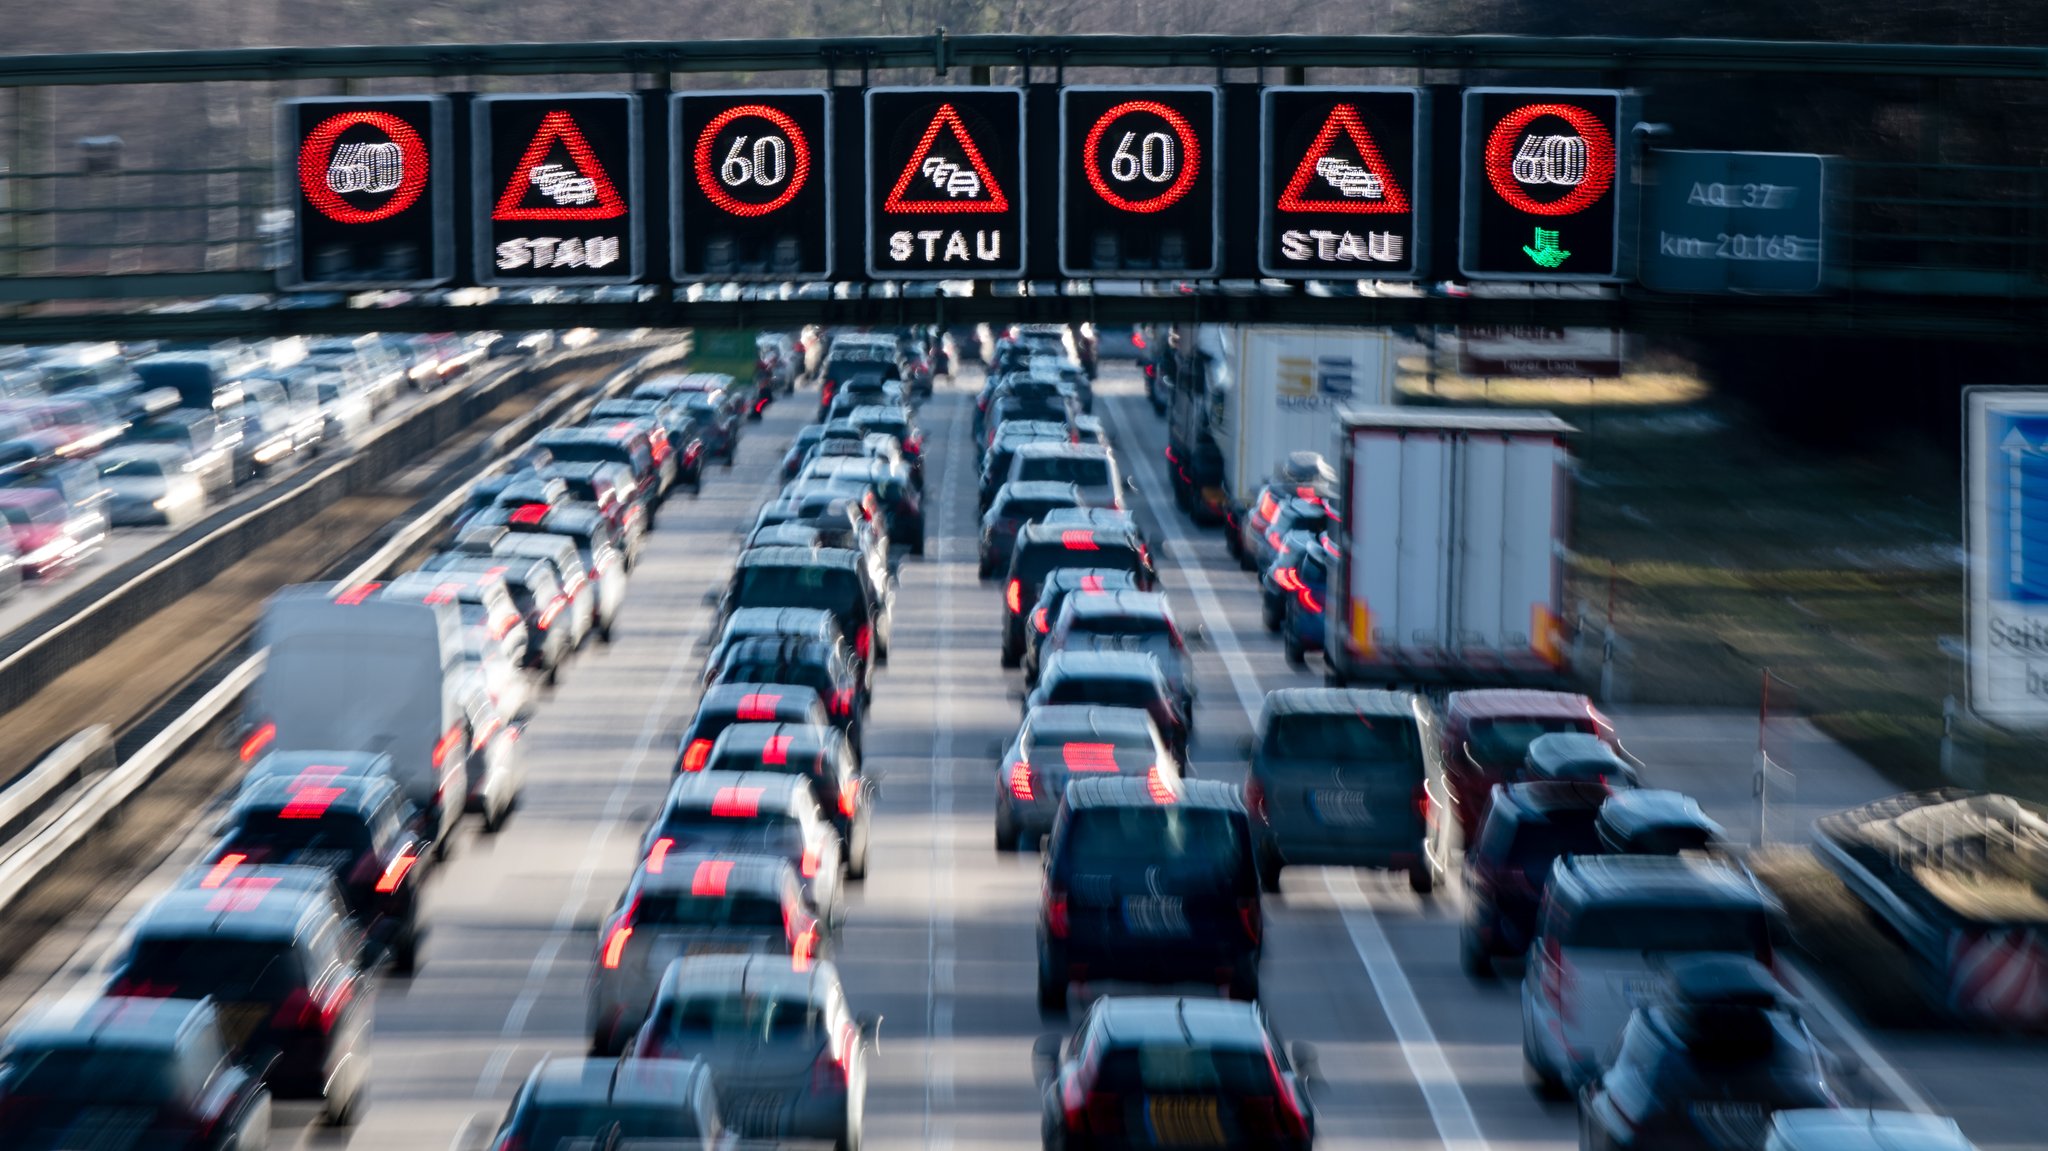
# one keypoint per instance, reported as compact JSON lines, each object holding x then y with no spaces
{"x":751,"y":184}
{"x":1139,"y":193}
{"x":369,"y":186}
{"x":945,"y":182}
{"x":1542,"y":184}
{"x":556,"y":186}
{"x":1342,"y":192}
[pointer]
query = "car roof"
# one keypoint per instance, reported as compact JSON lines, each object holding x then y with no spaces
{"x":840,"y":558}
{"x":1339,"y":701}
{"x":744,"y":874}
{"x":1059,"y":449}
{"x":277,"y":763}
{"x":1535,"y":801}
{"x":1155,"y":1020}
{"x":773,"y":975}
{"x":1151,"y":790}
{"x":777,"y":790}
{"x":1100,"y":664}
{"x":783,"y":697}
{"x":1857,"y":1129}
{"x":752,"y":738}
{"x":1497,"y":702}
{"x":781,"y":620}
{"x":1630,"y":810}
{"x":1062,"y":720}
{"x":1122,"y":602}
{"x":110,"y":1021}
{"x":1102,"y":536}
{"x":1664,"y":880}
{"x":293,"y":798}
{"x":664,"y":1083}
{"x":245,"y":910}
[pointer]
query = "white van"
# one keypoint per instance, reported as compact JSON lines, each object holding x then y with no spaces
{"x":348,"y":670}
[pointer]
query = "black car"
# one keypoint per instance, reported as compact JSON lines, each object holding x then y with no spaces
{"x":731,"y":703}
{"x":1132,"y":621}
{"x":902,"y":502}
{"x":610,"y":1103}
{"x":1114,"y":679}
{"x":353,"y":828}
{"x":718,"y":414}
{"x":613,"y":446}
{"x":1151,"y":880}
{"x":854,"y":365}
{"x":1044,"y":548}
{"x":278,"y":959}
{"x":1706,"y":1070}
{"x":1199,"y":1072}
{"x":818,"y":752}
{"x":1292,"y":515}
{"x":1280,"y":579}
{"x":1014,"y":507}
{"x":156,"y":1070}
{"x":1053,"y":590}
{"x":1060,"y":743}
{"x":685,"y":428}
{"x":829,"y":578}
{"x":825,"y":666}
{"x":1528,"y":828}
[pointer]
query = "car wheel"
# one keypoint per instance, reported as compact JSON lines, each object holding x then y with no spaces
{"x":554,"y":675}
{"x":405,"y":955}
{"x":1271,"y":613}
{"x":1292,"y":649}
{"x":1052,"y":982}
{"x":604,"y":632}
{"x":1006,"y":836}
{"x":345,"y":1112}
{"x":983,"y":568}
{"x":1422,"y":879}
{"x":1544,"y":1081}
{"x":1012,"y":658}
{"x":1472,"y":958}
{"x":1269,"y":873}
{"x":494,"y":819}
{"x":1244,"y":979}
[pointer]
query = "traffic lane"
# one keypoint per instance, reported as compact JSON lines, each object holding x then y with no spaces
{"x":1468,"y":1049}
{"x":513,"y":918}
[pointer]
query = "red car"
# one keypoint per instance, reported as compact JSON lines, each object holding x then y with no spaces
{"x":49,"y":539}
{"x":1486,"y":734}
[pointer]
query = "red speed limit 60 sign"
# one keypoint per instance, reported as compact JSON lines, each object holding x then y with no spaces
{"x":369,"y":186}
{"x":1543,"y":195}
{"x":753,"y":195}
{"x":1138,"y":175}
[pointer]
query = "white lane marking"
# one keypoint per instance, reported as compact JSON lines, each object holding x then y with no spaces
{"x":1449,"y":1110}
{"x":1810,"y":990}
{"x":939,"y":943}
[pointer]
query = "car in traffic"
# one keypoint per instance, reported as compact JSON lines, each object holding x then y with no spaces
{"x":825,"y":666}
{"x":821,"y":754}
{"x":150,"y":1071}
{"x":1114,"y":679}
{"x":831,"y":578}
{"x":1301,"y":628}
{"x":148,"y":484}
{"x":1128,"y":621}
{"x":612,"y":1103}
{"x":1015,"y":506}
{"x":1054,"y":590}
{"x":278,"y":961}
{"x":1089,"y":467}
{"x":1149,"y":879}
{"x":1529,"y":827}
{"x":1060,"y":743}
{"x":1857,"y":1129}
{"x":790,"y":1057}
{"x":1176,"y":1072}
{"x":753,"y":812}
{"x":1044,"y":548}
{"x":612,"y":444}
{"x":726,"y":704}
{"x":610,"y":488}
{"x":1348,"y":777}
{"x":47,"y":535}
{"x":1486,"y":734}
{"x":536,"y":591}
{"x":681,"y":904}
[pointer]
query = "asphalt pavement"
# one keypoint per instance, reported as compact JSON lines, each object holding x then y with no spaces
{"x":940,"y":939}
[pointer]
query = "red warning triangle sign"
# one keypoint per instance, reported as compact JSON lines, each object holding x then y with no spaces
{"x":1388,"y":200}
{"x":963,"y":190}
{"x":585,"y":193}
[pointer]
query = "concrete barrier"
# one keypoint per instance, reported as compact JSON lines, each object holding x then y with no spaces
{"x":88,"y":753}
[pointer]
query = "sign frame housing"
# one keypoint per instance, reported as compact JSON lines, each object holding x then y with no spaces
{"x":1989,"y":463}
{"x":681,"y":170}
{"x":1471,"y":177}
{"x":440,"y":150}
{"x":1652,"y":218}
{"x":1419,"y":183}
{"x":1069,"y":141}
{"x":1018,"y":196}
{"x":484,"y":190}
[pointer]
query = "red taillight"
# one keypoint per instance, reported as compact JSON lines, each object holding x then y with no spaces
{"x":528,"y":515}
{"x":357,"y":594}
{"x":395,"y":874}
{"x":1255,"y":796}
{"x":1157,"y":786}
{"x":554,"y":609}
{"x":1268,"y":507}
{"x":221,"y":870}
{"x":262,"y":737}
{"x":1556,"y":978}
{"x":760,"y":405}
{"x":450,"y":741}
{"x":1422,"y":802}
{"x":1040,"y":622}
{"x":1089,"y":756}
{"x":1308,"y":599}
{"x":864,"y":640}
{"x":696,"y":754}
{"x":1014,"y":597}
{"x":310,"y":803}
{"x":1020,"y":781}
{"x":1273,"y":537}
{"x":737,"y":802}
{"x":758,"y":705}
{"x":804,"y":948}
{"x":811,"y":862}
{"x":776,"y":751}
{"x":710,"y":878}
{"x":842,"y":702}
{"x":1078,"y":540}
{"x":1056,"y":914}
{"x":615,"y":944}
{"x":1288,"y":579}
{"x":915,"y":446}
{"x":657,"y":856}
{"x":849,"y":798}
{"x":828,"y":1074}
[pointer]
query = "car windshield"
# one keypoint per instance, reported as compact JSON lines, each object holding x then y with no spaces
{"x":1128,"y":839}
{"x":1089,"y":471}
{"x":92,"y":1074}
{"x":1635,"y":927}
{"x":743,"y":1019}
{"x":1356,"y":738}
{"x":1181,"y":1068}
{"x":1501,"y":744}
{"x":233,"y":969}
{"x":612,"y":1127}
{"x":740,"y":909}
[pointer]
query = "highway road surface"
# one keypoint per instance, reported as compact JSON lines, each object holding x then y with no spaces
{"x":940,"y":939}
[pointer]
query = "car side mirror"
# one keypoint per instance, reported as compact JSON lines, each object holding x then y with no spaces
{"x":1045,"y":1059}
{"x":1306,"y":1063}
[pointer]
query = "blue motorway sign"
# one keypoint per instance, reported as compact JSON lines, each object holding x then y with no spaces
{"x":2016,"y":506}
{"x":1735,"y":222}
{"x":2006,"y":533}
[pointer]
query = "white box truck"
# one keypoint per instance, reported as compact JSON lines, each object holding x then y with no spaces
{"x":348,"y":670}
{"x":1276,"y":391}
{"x":1453,"y":558}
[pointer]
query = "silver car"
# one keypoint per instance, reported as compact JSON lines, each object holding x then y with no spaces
{"x":788,"y":1057}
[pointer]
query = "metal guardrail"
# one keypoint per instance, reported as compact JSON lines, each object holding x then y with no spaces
{"x":30,"y":860}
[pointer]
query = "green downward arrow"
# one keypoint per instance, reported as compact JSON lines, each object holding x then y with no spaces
{"x":1546,"y":252}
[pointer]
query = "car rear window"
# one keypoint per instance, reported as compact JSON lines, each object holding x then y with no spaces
{"x":834,"y":589}
{"x":623,"y":1127}
{"x":1567,"y":831}
{"x":93,"y":1074}
{"x":230,"y":968}
{"x":743,"y":1019}
{"x":1132,"y":624}
{"x":1130,"y":839}
{"x":589,"y":451}
{"x":775,"y":671}
{"x":1039,"y":557}
{"x":746,"y":909}
{"x":1177,"y":1068}
{"x":1086,"y":470}
{"x":1501,"y":744}
{"x":1107,"y":691}
{"x":1635,"y":927}
{"x":1358,"y":739}
{"x":326,"y":841}
{"x":1030,"y":508}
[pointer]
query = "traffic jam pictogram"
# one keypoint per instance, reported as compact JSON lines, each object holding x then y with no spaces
{"x":566,"y":172}
{"x":945,"y":176}
{"x":1341,"y":174}
{"x":1542,"y":184}
{"x":371,"y":203}
{"x":752,"y":192}
{"x":1139,"y":193}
